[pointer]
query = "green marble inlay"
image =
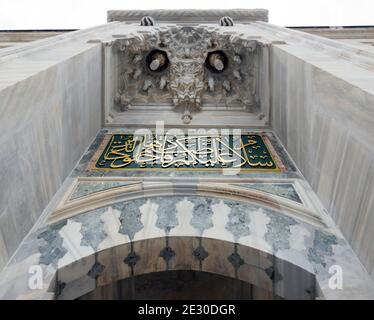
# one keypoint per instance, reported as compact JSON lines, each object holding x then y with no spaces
{"x":85,"y":188}
{"x":285,"y":190}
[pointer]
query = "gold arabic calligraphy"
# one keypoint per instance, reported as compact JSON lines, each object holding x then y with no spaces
{"x":125,"y":151}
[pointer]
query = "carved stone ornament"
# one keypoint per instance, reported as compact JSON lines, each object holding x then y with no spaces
{"x":188,"y":68}
{"x":147,"y":21}
{"x":226,"y":21}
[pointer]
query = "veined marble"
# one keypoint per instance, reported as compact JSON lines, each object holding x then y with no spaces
{"x":85,"y":188}
{"x":285,"y":190}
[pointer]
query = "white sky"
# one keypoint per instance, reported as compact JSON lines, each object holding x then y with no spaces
{"x":75,"y":14}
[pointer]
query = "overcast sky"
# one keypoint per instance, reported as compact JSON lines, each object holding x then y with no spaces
{"x":75,"y":14}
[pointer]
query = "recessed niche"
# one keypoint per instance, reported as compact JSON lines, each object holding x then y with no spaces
{"x":216,"y":61}
{"x":157,"y":61}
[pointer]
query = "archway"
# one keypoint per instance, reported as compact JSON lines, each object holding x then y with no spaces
{"x":233,"y":263}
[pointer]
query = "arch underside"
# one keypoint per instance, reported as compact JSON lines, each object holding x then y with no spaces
{"x":214,"y":256}
{"x":234,"y":210}
{"x":237,"y":239}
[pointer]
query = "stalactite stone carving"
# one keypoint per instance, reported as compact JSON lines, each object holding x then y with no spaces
{"x":188,"y":68}
{"x":186,"y":82}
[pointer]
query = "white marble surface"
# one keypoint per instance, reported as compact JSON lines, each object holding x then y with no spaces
{"x":50,"y":111}
{"x":327,"y":126}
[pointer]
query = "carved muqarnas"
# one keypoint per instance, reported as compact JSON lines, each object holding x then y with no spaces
{"x":188,"y":67}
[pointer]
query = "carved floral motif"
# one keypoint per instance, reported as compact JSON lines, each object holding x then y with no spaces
{"x":186,"y":83}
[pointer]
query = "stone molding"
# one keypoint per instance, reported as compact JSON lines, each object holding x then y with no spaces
{"x":186,"y":16}
{"x":136,"y":188}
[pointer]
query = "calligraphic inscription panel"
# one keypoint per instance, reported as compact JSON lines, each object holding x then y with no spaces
{"x":247,"y":152}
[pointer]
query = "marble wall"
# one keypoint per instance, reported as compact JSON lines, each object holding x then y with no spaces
{"x":323,"y":111}
{"x":50,"y":110}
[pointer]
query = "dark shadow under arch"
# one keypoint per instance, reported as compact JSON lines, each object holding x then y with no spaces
{"x":179,"y":285}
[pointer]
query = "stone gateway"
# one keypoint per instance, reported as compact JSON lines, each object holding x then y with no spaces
{"x":188,"y":154}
